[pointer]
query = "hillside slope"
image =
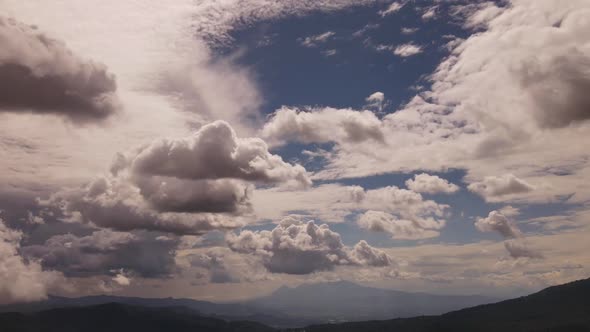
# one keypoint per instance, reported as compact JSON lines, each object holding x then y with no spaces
{"x":559,"y":308}
{"x":116,"y":317}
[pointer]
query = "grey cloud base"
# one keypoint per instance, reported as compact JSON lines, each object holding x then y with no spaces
{"x":39,"y":74}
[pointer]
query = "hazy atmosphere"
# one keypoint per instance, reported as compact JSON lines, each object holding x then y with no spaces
{"x":223,"y":150}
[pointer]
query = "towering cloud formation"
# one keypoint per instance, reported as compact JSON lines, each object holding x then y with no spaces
{"x":21,"y":280}
{"x":41,"y":75}
{"x":184,"y":186}
{"x":302,"y":248}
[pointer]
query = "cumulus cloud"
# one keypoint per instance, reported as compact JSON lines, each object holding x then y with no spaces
{"x":394,"y":7}
{"x":430,"y":184}
{"x":515,"y":242}
{"x":335,"y":203}
{"x":40,"y":74}
{"x":22,"y":280}
{"x":407,"y":50}
{"x":493,"y":187}
{"x":184,"y":186}
{"x":487,"y":110}
{"x":404,"y":214}
{"x":104,"y":251}
{"x":322,"y":125}
{"x":122,"y":280}
{"x":313,"y":41}
{"x":303,"y":248}
{"x":406,"y":204}
{"x":497,"y":222}
{"x":215,"y":152}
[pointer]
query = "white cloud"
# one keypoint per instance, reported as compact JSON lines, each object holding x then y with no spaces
{"x":402,"y":213}
{"x":376,"y":101}
{"x":486,"y":115}
{"x":497,"y":222}
{"x":493,"y":187}
{"x":430,"y":13}
{"x":321,"y":126}
{"x":394,"y":7}
{"x":122,"y":280}
{"x":515,"y":244}
{"x":407,"y":50}
{"x":430,"y":184}
{"x":22,"y":281}
{"x":313,"y":41}
{"x":409,"y":31}
{"x":215,"y":152}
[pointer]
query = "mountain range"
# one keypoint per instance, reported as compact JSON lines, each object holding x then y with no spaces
{"x":291,"y":307}
{"x":555,"y":309}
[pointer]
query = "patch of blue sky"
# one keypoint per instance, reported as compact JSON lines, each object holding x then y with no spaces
{"x":290,"y":73}
{"x":342,"y":70}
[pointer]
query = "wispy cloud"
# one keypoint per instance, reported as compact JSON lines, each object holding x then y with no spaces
{"x":313,"y":41}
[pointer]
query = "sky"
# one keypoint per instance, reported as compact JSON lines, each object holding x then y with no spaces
{"x":220,"y":149}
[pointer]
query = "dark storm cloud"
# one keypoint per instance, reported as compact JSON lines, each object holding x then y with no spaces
{"x":105,"y":251}
{"x":41,"y":75}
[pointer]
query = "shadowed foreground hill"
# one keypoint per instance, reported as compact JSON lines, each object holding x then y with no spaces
{"x":116,"y":317}
{"x":564,"y":308}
